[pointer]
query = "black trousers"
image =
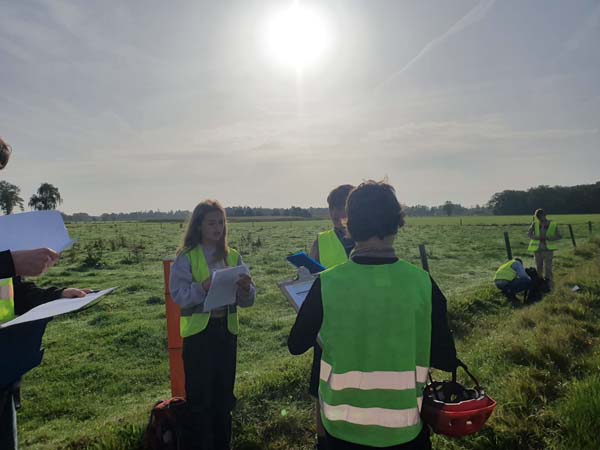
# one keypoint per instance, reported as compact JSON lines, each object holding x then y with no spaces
{"x":209,"y":362}
{"x":8,"y":417}
{"x":421,"y":442}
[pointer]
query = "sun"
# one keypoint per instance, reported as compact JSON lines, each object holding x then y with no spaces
{"x":297,"y":37}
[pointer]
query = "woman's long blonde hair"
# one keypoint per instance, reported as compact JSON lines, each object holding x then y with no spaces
{"x":193,"y":232}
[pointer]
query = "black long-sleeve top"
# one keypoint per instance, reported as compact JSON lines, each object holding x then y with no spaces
{"x":27,"y":294}
{"x":7,"y":267}
{"x":310,"y":318}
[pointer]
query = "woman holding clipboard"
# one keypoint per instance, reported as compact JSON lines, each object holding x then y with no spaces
{"x":209,"y":338}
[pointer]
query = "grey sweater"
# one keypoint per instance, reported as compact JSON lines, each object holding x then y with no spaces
{"x":189,"y":294}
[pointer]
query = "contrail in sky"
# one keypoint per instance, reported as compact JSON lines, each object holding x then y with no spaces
{"x":473,"y":16}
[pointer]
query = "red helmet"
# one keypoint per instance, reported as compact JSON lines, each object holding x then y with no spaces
{"x":453,"y":410}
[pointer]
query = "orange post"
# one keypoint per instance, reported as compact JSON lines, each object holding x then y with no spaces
{"x":175,"y":342}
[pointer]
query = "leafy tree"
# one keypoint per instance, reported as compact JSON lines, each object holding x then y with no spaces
{"x":9,"y":197}
{"x":47,"y":198}
{"x":448,"y":208}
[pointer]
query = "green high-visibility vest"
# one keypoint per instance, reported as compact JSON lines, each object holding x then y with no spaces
{"x":506,"y":272}
{"x":331,"y":250}
{"x":7,"y":300}
{"x":534,"y":244}
{"x":193,"y":320}
{"x":376,"y":337}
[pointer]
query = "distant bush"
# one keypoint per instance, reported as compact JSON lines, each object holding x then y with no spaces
{"x":94,"y":254}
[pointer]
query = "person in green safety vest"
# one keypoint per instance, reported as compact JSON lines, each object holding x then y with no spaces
{"x":209,"y":338}
{"x":543,"y":234}
{"x":511,"y":278}
{"x":330,"y":248}
{"x":18,"y":296}
{"x":381,"y":323}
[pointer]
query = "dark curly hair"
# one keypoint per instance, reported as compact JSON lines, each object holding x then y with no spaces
{"x":338,"y":196}
{"x":373,"y":210}
{"x":5,"y":152}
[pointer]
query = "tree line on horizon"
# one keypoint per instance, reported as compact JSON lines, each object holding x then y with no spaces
{"x":579,"y":199}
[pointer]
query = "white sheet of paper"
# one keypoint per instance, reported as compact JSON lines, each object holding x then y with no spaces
{"x":223,"y":287}
{"x":36,"y":229}
{"x":58,"y":307}
{"x":298,"y":291}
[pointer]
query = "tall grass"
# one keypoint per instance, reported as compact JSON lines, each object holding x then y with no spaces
{"x":105,"y":367}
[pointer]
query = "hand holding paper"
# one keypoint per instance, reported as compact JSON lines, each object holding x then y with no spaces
{"x":244,"y":282}
{"x":75,"y":293}
{"x":57,"y":307}
{"x":223,"y":287}
{"x":31,"y":263}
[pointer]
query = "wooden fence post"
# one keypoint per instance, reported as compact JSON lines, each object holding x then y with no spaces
{"x":423,"y":254}
{"x":572,"y":235}
{"x":508,"y":248}
{"x":590,"y":226}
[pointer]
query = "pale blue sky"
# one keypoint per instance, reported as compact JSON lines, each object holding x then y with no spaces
{"x":158,"y":105}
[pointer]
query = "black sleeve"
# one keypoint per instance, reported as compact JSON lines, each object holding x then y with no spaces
{"x":7,"y":267}
{"x":308,"y":322}
{"x":28,"y":295}
{"x":443,"y":351}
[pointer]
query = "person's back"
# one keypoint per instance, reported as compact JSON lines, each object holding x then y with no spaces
{"x":382,"y":323}
{"x":373,"y":347}
{"x":511,"y":278}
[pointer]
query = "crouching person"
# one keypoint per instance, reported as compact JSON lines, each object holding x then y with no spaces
{"x":511,"y":279}
{"x":381,"y":323}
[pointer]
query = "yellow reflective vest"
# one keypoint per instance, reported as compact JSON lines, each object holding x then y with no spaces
{"x":193,"y":320}
{"x":506,"y":272}
{"x":534,"y":244}
{"x":331,"y":250}
{"x":7,"y":300}
{"x":376,"y":339}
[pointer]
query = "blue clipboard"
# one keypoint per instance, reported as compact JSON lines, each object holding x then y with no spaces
{"x":301,"y":259}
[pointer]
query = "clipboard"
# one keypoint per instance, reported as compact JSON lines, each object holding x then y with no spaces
{"x":301,"y":259}
{"x":295,"y":291}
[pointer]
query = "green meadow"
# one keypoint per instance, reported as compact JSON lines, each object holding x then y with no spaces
{"x":105,"y":367}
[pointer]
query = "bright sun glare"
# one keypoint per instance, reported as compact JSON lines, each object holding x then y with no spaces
{"x":297,"y":37}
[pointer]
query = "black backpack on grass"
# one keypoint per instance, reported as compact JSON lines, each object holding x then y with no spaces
{"x":538,"y":286}
{"x":162,"y":430}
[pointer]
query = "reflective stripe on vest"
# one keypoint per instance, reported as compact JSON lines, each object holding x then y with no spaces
{"x":395,"y":381}
{"x":534,"y":244}
{"x":193,"y":320}
{"x":331,"y":250}
{"x":376,"y":337}
{"x":380,"y":417}
{"x":506,"y":272}
{"x":7,"y":302}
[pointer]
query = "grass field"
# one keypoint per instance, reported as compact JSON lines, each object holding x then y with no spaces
{"x":105,"y":367}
